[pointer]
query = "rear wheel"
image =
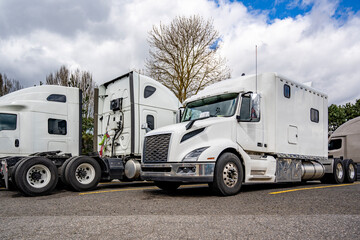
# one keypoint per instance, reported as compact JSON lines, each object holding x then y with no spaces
{"x":83,"y":173}
{"x":338,"y":174}
{"x":63,"y":170}
{"x":12,"y":175}
{"x":228,"y":175}
{"x":168,"y":186}
{"x":339,"y":171}
{"x":36,"y":176}
{"x":350,"y":171}
{"x":2,"y":182}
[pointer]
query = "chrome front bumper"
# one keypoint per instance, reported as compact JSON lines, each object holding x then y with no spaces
{"x":178,"y":172}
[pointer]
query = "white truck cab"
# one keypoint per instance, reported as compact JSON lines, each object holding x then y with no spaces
{"x":40,"y":133}
{"x":344,"y":143}
{"x":40,"y":119}
{"x":253,"y":129}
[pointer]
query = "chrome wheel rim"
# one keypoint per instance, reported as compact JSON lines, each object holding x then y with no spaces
{"x":230,"y":174}
{"x":38,"y":176}
{"x":351,"y":171}
{"x":339,"y":171}
{"x":85,"y":173}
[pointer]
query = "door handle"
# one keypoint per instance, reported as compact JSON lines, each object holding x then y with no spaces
{"x":17,"y":142}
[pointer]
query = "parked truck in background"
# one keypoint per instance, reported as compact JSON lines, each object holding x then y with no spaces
{"x":253,"y":129}
{"x":344,"y":143}
{"x":40,"y":133}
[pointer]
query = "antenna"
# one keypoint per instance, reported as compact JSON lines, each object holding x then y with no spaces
{"x":256,"y":68}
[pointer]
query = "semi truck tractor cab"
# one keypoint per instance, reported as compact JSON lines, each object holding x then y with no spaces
{"x":254,"y":129}
{"x":40,"y":133}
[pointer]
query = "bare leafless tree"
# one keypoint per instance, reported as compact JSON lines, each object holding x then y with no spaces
{"x":8,"y":85}
{"x":184,"y":55}
{"x":61,"y":77}
{"x":84,"y":81}
{"x":79,"y":79}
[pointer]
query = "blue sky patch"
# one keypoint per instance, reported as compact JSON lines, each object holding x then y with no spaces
{"x":215,"y":44}
{"x":280,"y":9}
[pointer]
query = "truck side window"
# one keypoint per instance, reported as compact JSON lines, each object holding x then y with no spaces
{"x":335,"y":144}
{"x":149,"y":90}
{"x":314,"y":115}
{"x":150,"y":120}
{"x":56,"y":98}
{"x":7,"y":121}
{"x":287,"y":91}
{"x":57,"y":126}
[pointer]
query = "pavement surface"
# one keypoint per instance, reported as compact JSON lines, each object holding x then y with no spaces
{"x":118,"y":210}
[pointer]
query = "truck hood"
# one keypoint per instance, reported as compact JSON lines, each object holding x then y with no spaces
{"x":211,"y":132}
{"x":180,"y":128}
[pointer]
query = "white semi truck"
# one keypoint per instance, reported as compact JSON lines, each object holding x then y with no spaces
{"x":344,"y":143}
{"x":253,"y":129}
{"x":40,"y":133}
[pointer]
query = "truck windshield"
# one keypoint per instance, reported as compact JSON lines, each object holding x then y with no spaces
{"x":7,"y":121}
{"x":217,"y":106}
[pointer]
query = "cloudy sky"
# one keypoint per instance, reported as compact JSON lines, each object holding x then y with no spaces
{"x":306,"y":40}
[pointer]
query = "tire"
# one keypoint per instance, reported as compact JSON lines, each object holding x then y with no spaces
{"x":168,"y":186}
{"x":2,"y":182}
{"x":36,"y":176}
{"x":83,"y":173}
{"x":12,"y":175}
{"x":338,"y":174}
{"x":228,"y":175}
{"x":350,"y":171}
{"x":63,"y":170}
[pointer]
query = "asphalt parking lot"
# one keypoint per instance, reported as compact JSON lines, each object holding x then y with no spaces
{"x":140,"y":210}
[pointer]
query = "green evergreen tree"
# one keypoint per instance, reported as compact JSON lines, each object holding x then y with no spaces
{"x":339,"y":114}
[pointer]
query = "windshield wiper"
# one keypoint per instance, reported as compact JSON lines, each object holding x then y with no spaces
{"x":191,"y":123}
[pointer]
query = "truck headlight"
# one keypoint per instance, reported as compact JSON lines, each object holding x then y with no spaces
{"x":194,"y":155}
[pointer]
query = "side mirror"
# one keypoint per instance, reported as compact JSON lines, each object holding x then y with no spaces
{"x":179,"y":114}
{"x":250,"y":108}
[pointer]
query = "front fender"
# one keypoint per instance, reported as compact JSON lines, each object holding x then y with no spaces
{"x":215,"y":149}
{"x":218,"y":147}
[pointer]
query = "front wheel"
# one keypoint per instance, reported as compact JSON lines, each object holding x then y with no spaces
{"x":83,"y":173}
{"x":228,"y":175}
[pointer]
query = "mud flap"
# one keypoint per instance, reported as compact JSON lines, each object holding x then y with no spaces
{"x":4,"y":175}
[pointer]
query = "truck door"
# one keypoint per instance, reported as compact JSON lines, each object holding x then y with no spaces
{"x":9,"y":134}
{"x":150,"y":118}
{"x":337,"y":147}
{"x":250,"y":131}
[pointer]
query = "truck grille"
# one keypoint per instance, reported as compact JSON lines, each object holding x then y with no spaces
{"x":156,"y":148}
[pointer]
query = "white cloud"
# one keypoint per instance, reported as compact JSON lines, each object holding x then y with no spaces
{"x":315,"y":47}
